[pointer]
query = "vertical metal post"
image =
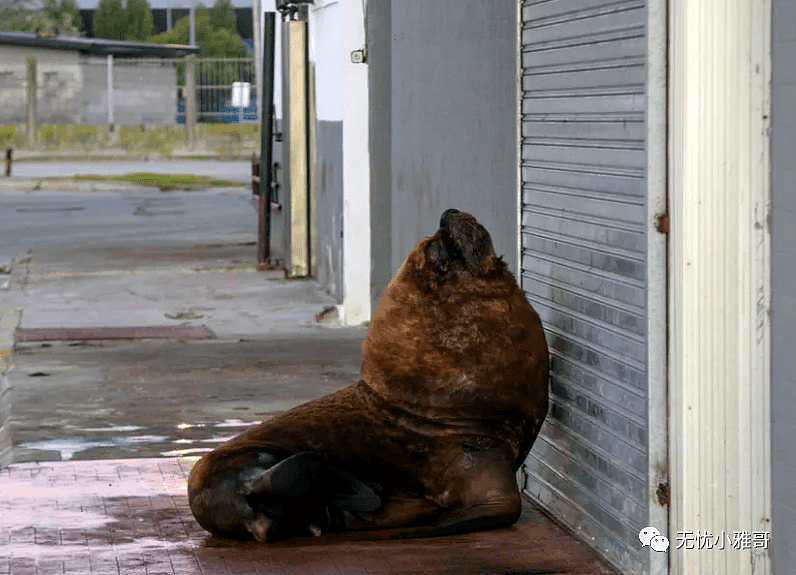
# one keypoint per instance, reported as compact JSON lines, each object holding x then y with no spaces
{"x":31,"y":103}
{"x":9,"y":158}
{"x":295,"y":148}
{"x":266,"y":141}
{"x":110,"y":92}
{"x":168,"y":19}
{"x":192,"y":20}
{"x":257,"y":14}
{"x":313,"y":244}
{"x":190,"y":99}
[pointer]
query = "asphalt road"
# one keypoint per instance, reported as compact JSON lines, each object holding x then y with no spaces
{"x":52,"y":219}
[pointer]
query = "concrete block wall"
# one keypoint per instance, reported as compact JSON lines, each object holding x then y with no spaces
{"x":143,"y":94}
{"x":58,"y":81}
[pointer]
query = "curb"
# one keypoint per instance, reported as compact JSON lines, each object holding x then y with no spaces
{"x":70,"y":185}
{"x":9,"y":319}
{"x":67,"y":184}
{"x":22,"y":155}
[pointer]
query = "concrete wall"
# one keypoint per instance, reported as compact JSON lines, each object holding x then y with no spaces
{"x":783,"y":280}
{"x":326,"y":50}
{"x":73,"y":89}
{"x":142,"y":94}
{"x":443,"y":130}
{"x":58,"y":78}
{"x":379,"y":22}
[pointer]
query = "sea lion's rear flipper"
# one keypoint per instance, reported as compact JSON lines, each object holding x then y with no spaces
{"x":318,"y":476}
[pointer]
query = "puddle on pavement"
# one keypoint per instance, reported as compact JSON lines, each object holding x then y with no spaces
{"x":115,"y":428}
{"x":237,"y":423}
{"x":69,"y":446}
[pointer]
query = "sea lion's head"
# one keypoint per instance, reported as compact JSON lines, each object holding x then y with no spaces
{"x":459,"y":259}
{"x":454,"y":333}
{"x":461,"y":243}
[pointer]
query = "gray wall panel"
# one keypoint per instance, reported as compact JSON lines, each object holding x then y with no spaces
{"x":329,"y":206}
{"x":453,"y":119}
{"x":783,"y":290}
{"x":379,"y":40}
{"x":584,"y":263}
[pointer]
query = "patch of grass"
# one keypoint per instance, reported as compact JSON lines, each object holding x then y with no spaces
{"x":73,"y":136}
{"x":11,"y":137}
{"x":163,"y":181}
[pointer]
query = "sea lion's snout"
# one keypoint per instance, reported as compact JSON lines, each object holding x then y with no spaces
{"x":460,"y":242}
{"x":445,"y":218}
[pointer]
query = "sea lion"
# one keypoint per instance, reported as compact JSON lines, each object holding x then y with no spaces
{"x":453,"y":393}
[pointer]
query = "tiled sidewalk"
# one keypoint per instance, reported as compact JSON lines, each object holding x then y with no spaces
{"x":131,"y":517}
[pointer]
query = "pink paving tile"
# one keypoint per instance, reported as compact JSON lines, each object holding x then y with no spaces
{"x":131,"y":517}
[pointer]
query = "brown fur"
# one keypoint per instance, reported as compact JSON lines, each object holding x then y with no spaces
{"x":453,"y":393}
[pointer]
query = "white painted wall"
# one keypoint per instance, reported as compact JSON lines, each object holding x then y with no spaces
{"x":326,"y":23}
{"x":720,"y":440}
{"x":356,"y":172}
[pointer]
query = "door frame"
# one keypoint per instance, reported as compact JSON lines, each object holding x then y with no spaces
{"x":719,"y":293}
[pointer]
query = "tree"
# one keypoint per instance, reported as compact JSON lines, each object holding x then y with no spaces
{"x":139,"y":20}
{"x":212,"y":41}
{"x":133,"y":23}
{"x":53,"y":20}
{"x":65,"y":17}
{"x":109,"y":20}
{"x":222,"y":16}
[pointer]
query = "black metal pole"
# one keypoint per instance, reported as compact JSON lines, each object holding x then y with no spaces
{"x":266,"y":141}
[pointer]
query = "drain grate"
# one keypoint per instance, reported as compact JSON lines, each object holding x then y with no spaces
{"x":143,"y":332}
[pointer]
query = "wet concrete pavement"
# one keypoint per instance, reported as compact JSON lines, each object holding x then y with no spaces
{"x":110,"y":399}
{"x":105,"y":430}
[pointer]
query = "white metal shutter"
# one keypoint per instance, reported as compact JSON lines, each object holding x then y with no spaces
{"x":584,"y":263}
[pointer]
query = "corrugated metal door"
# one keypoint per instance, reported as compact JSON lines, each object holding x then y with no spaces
{"x":584,"y":263}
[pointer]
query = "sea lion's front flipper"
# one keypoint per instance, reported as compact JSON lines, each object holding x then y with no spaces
{"x":315,"y":475}
{"x":481,"y":492}
{"x":465,"y":522}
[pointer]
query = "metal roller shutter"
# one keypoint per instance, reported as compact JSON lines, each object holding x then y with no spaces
{"x":584,"y":263}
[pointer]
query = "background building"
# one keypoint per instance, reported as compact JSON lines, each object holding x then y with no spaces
{"x":72,"y":80}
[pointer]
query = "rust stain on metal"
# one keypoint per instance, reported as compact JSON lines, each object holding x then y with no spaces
{"x":662,"y":223}
{"x":141,"y":332}
{"x":663,"y":493}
